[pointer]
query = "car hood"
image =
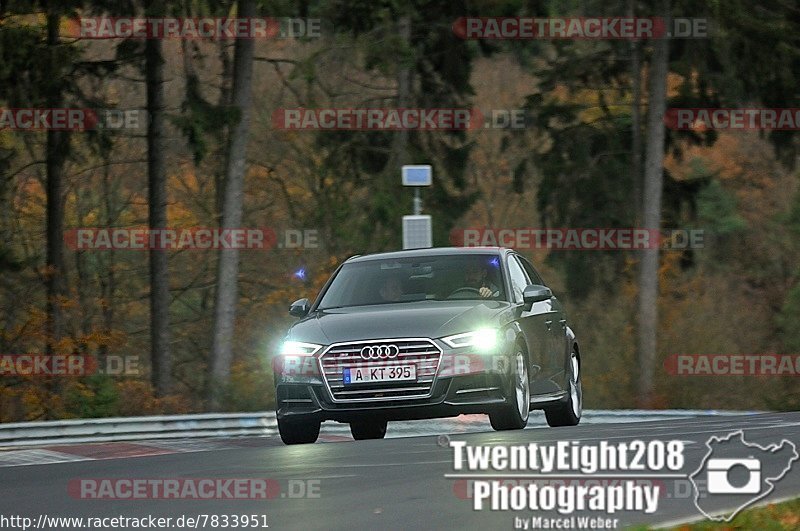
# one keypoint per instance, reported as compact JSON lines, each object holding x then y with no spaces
{"x":433,"y":319}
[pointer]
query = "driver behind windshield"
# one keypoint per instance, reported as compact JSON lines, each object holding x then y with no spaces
{"x":392,"y":289}
{"x":476,"y":277}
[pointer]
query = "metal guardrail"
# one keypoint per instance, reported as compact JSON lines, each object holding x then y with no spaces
{"x":263,"y":423}
{"x":138,"y":428}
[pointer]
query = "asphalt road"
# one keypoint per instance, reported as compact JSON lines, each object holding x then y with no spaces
{"x":396,"y":483}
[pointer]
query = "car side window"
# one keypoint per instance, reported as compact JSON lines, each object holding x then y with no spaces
{"x":517,"y":277}
{"x":528,"y":278}
{"x":532,"y":274}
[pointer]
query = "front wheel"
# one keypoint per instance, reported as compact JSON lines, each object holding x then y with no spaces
{"x":368,"y":429}
{"x":569,"y":413}
{"x":294,"y":432}
{"x":514,"y":416}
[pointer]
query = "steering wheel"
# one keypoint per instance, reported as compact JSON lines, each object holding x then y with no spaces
{"x":465,"y":290}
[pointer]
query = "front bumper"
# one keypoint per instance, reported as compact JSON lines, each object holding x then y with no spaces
{"x":451,"y":396}
{"x":464,"y":382}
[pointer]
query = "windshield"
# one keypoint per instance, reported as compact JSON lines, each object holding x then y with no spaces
{"x":447,"y":277}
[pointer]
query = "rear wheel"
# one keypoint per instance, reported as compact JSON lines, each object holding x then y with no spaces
{"x":514,"y":416}
{"x":569,"y":413}
{"x":368,"y":429}
{"x":294,"y":432}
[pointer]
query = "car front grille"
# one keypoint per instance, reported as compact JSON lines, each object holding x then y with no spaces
{"x":421,"y":352}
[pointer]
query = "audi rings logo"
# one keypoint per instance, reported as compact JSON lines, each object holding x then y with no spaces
{"x":380,"y":352}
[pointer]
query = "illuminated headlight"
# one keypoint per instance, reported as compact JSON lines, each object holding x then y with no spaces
{"x":296,"y":348}
{"x":484,"y":339}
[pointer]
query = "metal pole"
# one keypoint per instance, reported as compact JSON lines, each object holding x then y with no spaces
{"x":417,"y":202}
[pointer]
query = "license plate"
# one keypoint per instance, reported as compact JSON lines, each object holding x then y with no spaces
{"x":392,"y":373}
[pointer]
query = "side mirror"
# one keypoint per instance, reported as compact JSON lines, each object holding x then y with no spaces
{"x":300,"y":308}
{"x":536,"y":293}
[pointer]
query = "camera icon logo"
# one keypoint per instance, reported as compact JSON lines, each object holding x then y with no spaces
{"x":719,"y":471}
{"x":736,"y":474}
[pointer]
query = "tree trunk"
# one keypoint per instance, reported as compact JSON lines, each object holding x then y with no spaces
{"x":228,"y":263}
{"x":55,"y":267}
{"x":160,"y":356}
{"x":636,"y":120}
{"x":224,"y":101}
{"x":108,"y":284}
{"x":651,"y":216}
{"x":400,"y":144}
{"x":398,"y":155}
{"x":57,"y":146}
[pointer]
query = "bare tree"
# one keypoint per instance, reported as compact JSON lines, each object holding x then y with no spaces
{"x":57,"y":146}
{"x":651,"y":214}
{"x":228,"y":263}
{"x":399,"y":153}
{"x":636,"y":118}
{"x":160,"y":355}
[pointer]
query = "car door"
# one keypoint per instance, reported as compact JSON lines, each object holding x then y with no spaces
{"x":532,"y":322}
{"x":556,"y":324}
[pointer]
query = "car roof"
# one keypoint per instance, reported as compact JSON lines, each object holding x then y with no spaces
{"x":428,"y":251}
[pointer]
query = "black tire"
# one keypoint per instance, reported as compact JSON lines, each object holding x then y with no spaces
{"x":368,"y":429}
{"x":295,"y":432}
{"x":514,"y":416}
{"x":568,"y":413}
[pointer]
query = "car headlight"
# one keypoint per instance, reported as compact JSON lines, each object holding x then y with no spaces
{"x":484,"y":339}
{"x":297,"y":348}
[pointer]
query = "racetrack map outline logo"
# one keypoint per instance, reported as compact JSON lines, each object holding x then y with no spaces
{"x":719,"y":480}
